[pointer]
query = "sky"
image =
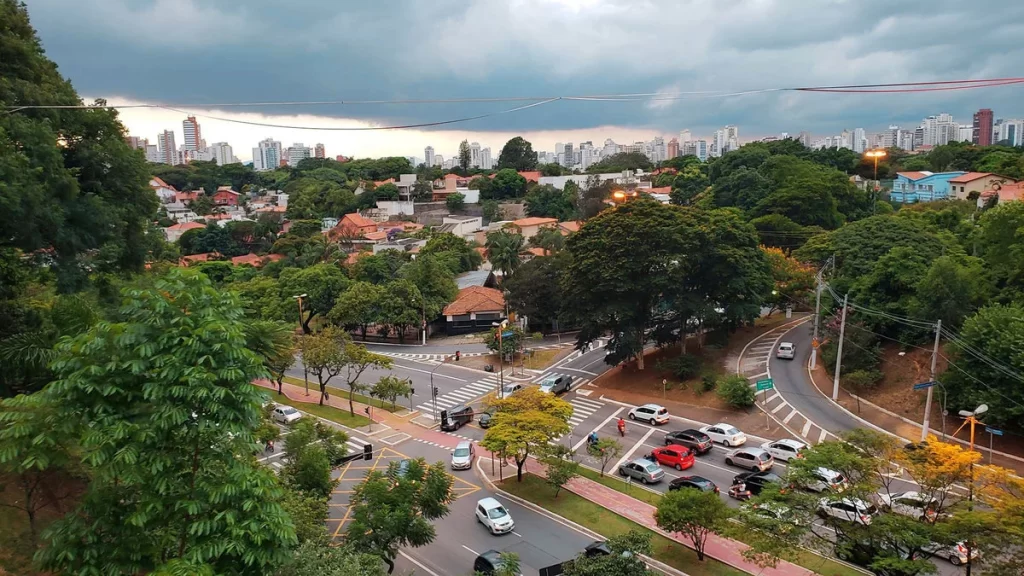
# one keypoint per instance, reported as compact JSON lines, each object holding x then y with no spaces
{"x":194,"y":54}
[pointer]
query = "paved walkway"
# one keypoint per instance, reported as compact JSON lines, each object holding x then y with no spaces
{"x":722,"y":549}
{"x":298,"y":394}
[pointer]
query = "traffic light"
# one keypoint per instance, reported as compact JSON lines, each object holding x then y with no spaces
{"x":444,"y":415}
{"x":367,"y":452}
{"x":435,"y":392}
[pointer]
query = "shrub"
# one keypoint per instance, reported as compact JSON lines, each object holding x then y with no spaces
{"x":682,"y":367}
{"x":861,"y":379}
{"x":707,"y":383}
{"x":736,"y":390}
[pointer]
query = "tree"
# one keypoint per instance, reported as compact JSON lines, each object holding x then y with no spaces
{"x":736,"y":391}
{"x":549,"y":202}
{"x":551,"y":169}
{"x":591,"y":201}
{"x":315,"y":558}
{"x":275,"y":343}
{"x":422,"y":190}
{"x":508,"y":345}
{"x":952,"y":289}
{"x":504,"y":250}
{"x":455,"y":201}
{"x":390,"y":511}
{"x":1000,"y":245}
{"x":606,"y":450}
{"x":308,"y":514}
{"x":622,"y":161}
{"x":626,"y":558}
{"x":446,"y":242}
{"x":323,"y":354}
{"x":386,"y":191}
{"x":524,"y":423}
{"x":357,"y":359}
{"x":743,"y":188}
{"x":534,"y":290}
{"x":560,"y":467}
{"x":777,"y":231}
{"x":379,"y":268}
{"x":465,"y":157}
{"x":202,"y":205}
{"x":435,"y":281}
{"x":693,"y":513}
{"x":321,"y":283}
{"x":518,"y":155}
{"x":550,"y":239}
{"x":358,"y":307}
{"x":390,"y":388}
{"x":688,"y":185}
{"x":491,"y":210}
{"x":316,"y":433}
{"x":507,"y":183}
{"x":792,"y":280}
{"x":312,"y":446}
{"x":167,"y":429}
{"x":401,"y":308}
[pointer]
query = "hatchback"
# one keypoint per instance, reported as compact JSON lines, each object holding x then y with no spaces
{"x":487,"y":417}
{"x":757,"y":481}
{"x":786,"y":351}
{"x":848,"y":510}
{"x":642,"y":469}
{"x":556,"y":384}
{"x":750,"y":458}
{"x":785,"y":449}
{"x":695,"y":482}
{"x":650,"y":413}
{"x":695,"y":440}
{"x":494,"y":516}
{"x":509,"y":390}
{"x":678,"y":457}
{"x":955,"y":553}
{"x":462,"y":456}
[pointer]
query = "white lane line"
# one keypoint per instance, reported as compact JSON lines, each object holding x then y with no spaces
{"x":822,"y":436}
{"x":807,"y":428}
{"x":436,"y":375}
{"x":789,"y":417}
{"x":771,"y":398}
{"x":588,"y":403}
{"x":779,"y":407}
{"x":633,"y":449}
{"x":758,"y":375}
{"x":421,"y":566}
{"x":517,"y":533}
{"x":599,"y":426}
{"x":578,"y":370}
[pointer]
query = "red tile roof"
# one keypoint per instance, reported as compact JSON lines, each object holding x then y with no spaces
{"x":533,"y":176}
{"x":356,"y":220}
{"x":194,"y":258}
{"x":969,"y":177}
{"x":378,"y":235}
{"x":1006,"y":192}
{"x":534,"y":221}
{"x":249,"y":258}
{"x":160,"y":183}
{"x":571,"y":226}
{"x":914,"y":175}
{"x":406,"y":226}
{"x":536,"y":251}
{"x":662,"y":190}
{"x":476,"y":299}
{"x":353,"y":257}
{"x":185,"y":226}
{"x":186,"y":196}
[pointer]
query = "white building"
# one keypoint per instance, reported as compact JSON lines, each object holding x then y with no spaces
{"x":298,"y":152}
{"x":486,"y":162}
{"x":267,"y":155}
{"x":965,"y":133}
{"x":152,"y":153}
{"x":193,"y":136}
{"x":939,"y":130}
{"x":700,"y":150}
{"x":428,"y":156}
{"x":1009,"y":130}
{"x":860,"y":141}
{"x":168,"y":151}
{"x":684,"y":136}
{"x":474,"y":154}
{"x":222,"y":153}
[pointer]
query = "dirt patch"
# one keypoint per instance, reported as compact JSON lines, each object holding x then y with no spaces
{"x":16,"y":544}
{"x":541,"y":360}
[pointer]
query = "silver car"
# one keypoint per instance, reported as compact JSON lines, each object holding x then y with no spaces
{"x":642,"y":469}
{"x":786,"y":351}
{"x":462,"y":456}
{"x":750,"y":458}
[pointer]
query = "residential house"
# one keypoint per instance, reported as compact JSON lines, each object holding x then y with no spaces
{"x":163,"y":190}
{"x":225,"y":196}
{"x":250,"y":259}
{"x":411,"y":245}
{"x":531,"y":253}
{"x":187,"y":196}
{"x":529,"y":227}
{"x":474,"y":309}
{"x":407,"y":227}
{"x":962,"y":186}
{"x":924,"y":186}
{"x":461,"y":226}
{"x":353,"y":226}
{"x":177,"y":230}
{"x":196,"y":258}
{"x":180,"y":213}
{"x":1009,"y":192}
{"x":570,"y":227}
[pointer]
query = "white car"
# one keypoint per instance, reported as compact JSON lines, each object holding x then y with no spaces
{"x":494,"y":516}
{"x":785,"y":449}
{"x":508,"y":390}
{"x":956,"y":553}
{"x":653,"y":414}
{"x":786,"y":351}
{"x":725,"y":434}
{"x":826,"y":479}
{"x":913,"y":504}
{"x":462,"y":456}
{"x":286,"y":414}
{"x":848,"y":510}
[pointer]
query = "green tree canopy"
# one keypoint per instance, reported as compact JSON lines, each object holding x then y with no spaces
{"x":621,"y":161}
{"x":504,"y":249}
{"x":518,"y":155}
{"x":550,"y":202}
{"x":321,"y":283}
{"x":507,"y":183}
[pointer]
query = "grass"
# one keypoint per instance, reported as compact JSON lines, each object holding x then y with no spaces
{"x":368,"y":400}
{"x":541,"y":359}
{"x":586,"y":513}
{"x":615,"y":483}
{"x":326,"y":412}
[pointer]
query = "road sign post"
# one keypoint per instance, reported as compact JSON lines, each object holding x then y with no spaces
{"x":764,"y":386}
{"x":992,"y":433}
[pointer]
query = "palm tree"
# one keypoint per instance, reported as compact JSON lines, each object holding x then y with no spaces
{"x":504,"y":249}
{"x":275,"y":343}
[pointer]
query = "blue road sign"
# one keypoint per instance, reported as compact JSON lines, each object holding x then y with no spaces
{"x":924,"y":385}
{"x":507,"y":334}
{"x":993,"y":431}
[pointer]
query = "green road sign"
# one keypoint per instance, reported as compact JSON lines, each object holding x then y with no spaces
{"x":763,"y":385}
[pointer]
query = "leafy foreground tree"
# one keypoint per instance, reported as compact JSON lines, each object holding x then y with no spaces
{"x":391,"y":388}
{"x":624,"y":560}
{"x":517,"y":154}
{"x":694,"y":514}
{"x":163,"y":409}
{"x":504,"y":250}
{"x":318,"y":558}
{"x":397,"y":509}
{"x":312,"y":446}
{"x":561,"y":468}
{"x":524,"y":424}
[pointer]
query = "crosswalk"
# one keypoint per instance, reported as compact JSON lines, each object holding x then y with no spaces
{"x":576,"y":380}
{"x":354,"y":445}
{"x":582,"y":408}
{"x":462,"y":395}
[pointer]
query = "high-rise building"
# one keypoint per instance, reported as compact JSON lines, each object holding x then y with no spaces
{"x":610,"y":148}
{"x":428,"y":156}
{"x":319,"y":151}
{"x":860,"y":141}
{"x":982,"y":135}
{"x":222,"y":153}
{"x":844,"y":140}
{"x":938,"y":130}
{"x":569,"y":156}
{"x":485,"y":159}
{"x":193,"y":136}
{"x":298,"y":152}
{"x":137,"y":143}
{"x":474,"y":154}
{"x":267,"y":155}
{"x":152,"y":153}
{"x":673,"y":148}
{"x":1009,"y":131}
{"x":684,"y":136}
{"x":718,"y":145}
{"x":700,"y":150}
{"x":167,"y":147}
{"x":805,"y":138}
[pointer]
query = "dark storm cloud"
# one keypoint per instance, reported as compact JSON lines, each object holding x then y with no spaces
{"x":187,"y":51}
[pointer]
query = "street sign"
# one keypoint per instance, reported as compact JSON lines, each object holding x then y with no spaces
{"x":924,"y":385}
{"x":507,"y":334}
{"x":766,"y":384}
{"x":815,"y":343}
{"x":994,"y":431}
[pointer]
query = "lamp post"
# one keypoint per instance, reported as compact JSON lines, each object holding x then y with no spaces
{"x":621,"y":196}
{"x":875,"y":155}
{"x":501,"y":355}
{"x":305,"y":371}
{"x":971,"y":417}
{"x":299,"y":298}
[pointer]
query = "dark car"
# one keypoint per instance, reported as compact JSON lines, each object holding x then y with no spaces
{"x":756,"y":481}
{"x":698,"y":482}
{"x":866,"y":553}
{"x":488,"y":563}
{"x":695,"y":440}
{"x":487,"y":417}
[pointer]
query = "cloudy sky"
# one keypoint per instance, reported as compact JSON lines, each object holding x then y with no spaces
{"x":196,"y":53}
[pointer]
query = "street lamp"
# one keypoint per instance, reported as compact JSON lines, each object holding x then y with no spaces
{"x":305,"y":371}
{"x":875,"y":155}
{"x":299,"y":297}
{"x":621,"y":196}
{"x":501,"y":355}
{"x":971,"y":417}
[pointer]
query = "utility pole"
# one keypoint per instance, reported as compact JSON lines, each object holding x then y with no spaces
{"x":817,"y":313}
{"x":839,"y":356}
{"x":928,"y":400}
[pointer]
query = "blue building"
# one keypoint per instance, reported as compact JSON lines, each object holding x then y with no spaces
{"x":911,"y":187}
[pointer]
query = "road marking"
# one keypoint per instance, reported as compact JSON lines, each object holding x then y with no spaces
{"x":436,"y":375}
{"x":599,"y":426}
{"x":584,"y":392}
{"x":578,"y":370}
{"x":517,"y":533}
{"x":421,"y":566}
{"x":780,"y":407}
{"x":758,"y":375}
{"x":471,"y":551}
{"x":633,"y":449}
{"x":771,"y":398}
{"x":789,"y":417}
{"x":807,"y":428}
{"x":824,"y":434}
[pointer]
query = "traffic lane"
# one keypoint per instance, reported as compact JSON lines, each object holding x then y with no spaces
{"x":825,"y":532}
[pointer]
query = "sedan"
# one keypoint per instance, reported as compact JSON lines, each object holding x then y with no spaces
{"x":695,"y":440}
{"x":913,"y":504}
{"x":848,"y":509}
{"x":785,"y":449}
{"x":642,"y":469}
{"x":695,"y":482}
{"x":286,"y":414}
{"x":757,"y":481}
{"x":678,"y":457}
{"x":509,"y":389}
{"x":725,"y":434}
{"x":487,"y":417}
{"x":751,"y":459}
{"x":556,"y":384}
{"x":786,"y":351}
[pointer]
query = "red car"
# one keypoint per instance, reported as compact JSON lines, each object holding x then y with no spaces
{"x":679,"y":457}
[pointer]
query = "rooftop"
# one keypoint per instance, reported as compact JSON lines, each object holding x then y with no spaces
{"x":970,"y":177}
{"x":475,"y":278}
{"x":534,"y":221}
{"x":476,"y":299}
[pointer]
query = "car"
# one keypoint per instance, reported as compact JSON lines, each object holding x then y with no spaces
{"x":695,"y":440}
{"x":725,"y":434}
{"x":674,"y":455}
{"x":462,"y":456}
{"x":494,"y":516}
{"x":488,"y":563}
{"x":770,"y":510}
{"x":866,"y":553}
{"x":487,"y":417}
{"x":956,"y":554}
{"x":653,"y":414}
{"x":848,"y":510}
{"x":823,"y":479}
{"x":750,"y":458}
{"x":913,"y":504}
{"x":286,"y":415}
{"x":401,"y":468}
{"x":642,"y":469}
{"x":556,"y":384}
{"x":695,"y":482}
{"x":508,"y":390}
{"x":785,"y":449}
{"x":757,"y":481}
{"x":786,"y":351}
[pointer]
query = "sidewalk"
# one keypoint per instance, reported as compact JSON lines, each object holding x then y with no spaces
{"x":298,"y":394}
{"x":722,"y":549}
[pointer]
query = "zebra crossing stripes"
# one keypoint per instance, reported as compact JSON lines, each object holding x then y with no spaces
{"x":460,"y":396}
{"x":582,"y":409}
{"x":576,"y":381}
{"x":352,"y":446}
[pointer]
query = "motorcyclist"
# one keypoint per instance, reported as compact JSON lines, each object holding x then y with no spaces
{"x":622,"y":427}
{"x":592,"y":439}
